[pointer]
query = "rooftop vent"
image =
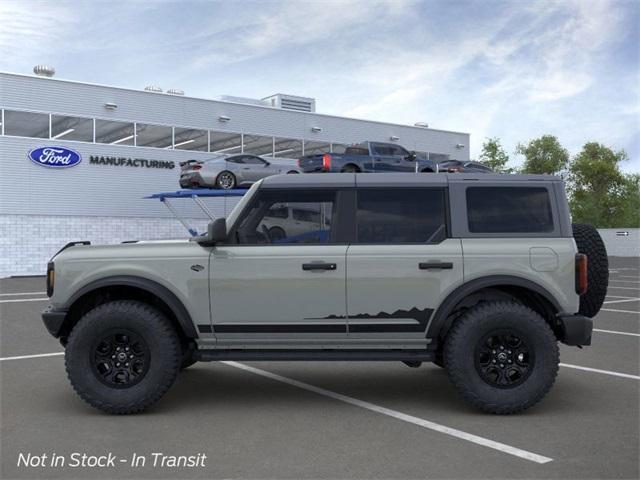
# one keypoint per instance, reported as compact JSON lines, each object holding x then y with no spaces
{"x":153,"y":88}
{"x":291,"y":102}
{"x":175,"y":91}
{"x":421,"y":124}
{"x":44,"y":71}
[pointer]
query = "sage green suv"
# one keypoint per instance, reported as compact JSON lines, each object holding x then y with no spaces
{"x":481,"y":274}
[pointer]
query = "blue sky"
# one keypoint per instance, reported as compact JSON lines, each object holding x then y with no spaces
{"x":515,"y":70}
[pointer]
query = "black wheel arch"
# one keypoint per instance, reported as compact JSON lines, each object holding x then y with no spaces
{"x":128,"y":287}
{"x":489,"y":288}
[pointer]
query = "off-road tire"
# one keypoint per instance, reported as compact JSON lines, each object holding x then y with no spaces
{"x":146,"y":322}
{"x":590,"y":243}
{"x":468,"y":332}
{"x":187,"y":359}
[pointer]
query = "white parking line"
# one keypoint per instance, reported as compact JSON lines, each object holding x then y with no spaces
{"x":485,"y":442}
{"x":628,"y":276}
{"x":615,"y":287}
{"x":616,"y":332}
{"x":618,"y":311}
{"x":596,"y":370}
{"x":21,"y":293}
{"x":617,"y":296}
{"x":39,"y":355}
{"x":625,"y":300}
{"x":623,"y":281}
{"x":15,"y":300}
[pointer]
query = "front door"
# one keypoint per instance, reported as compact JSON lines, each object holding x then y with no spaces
{"x":401,"y":264}
{"x":282,"y":278}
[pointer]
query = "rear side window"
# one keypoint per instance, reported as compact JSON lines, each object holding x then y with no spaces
{"x":509,"y":210}
{"x":401,"y":215}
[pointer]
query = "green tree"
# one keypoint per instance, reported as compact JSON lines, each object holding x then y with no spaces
{"x":543,"y":155}
{"x":494,"y":156}
{"x":600,"y":193}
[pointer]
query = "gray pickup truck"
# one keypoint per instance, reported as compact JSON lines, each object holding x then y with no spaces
{"x":368,"y":157}
{"x":481,"y":274}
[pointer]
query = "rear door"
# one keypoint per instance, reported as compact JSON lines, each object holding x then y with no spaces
{"x":402,"y":263}
{"x":281,"y":280}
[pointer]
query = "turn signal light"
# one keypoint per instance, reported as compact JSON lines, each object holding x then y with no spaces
{"x":582,"y":278}
{"x":326,"y":162}
{"x":51,"y":277}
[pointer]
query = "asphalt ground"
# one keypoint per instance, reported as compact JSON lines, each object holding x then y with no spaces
{"x":326,"y":420}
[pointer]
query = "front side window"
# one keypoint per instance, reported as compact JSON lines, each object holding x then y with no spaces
{"x":387,"y":216}
{"x":267,"y":220}
{"x":251,"y":160}
{"x":509,"y":210}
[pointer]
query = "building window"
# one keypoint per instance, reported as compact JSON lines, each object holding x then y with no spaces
{"x":401,"y":216}
{"x":338,"y":147}
{"x":315,"y":148}
{"x":287,"y":148}
{"x":26,"y":124}
{"x":225,"y":142}
{"x":258,"y":145}
{"x":190,"y":139}
{"x":114,"y":133}
{"x":71,"y":128}
{"x":157,"y":136}
{"x":509,"y":210}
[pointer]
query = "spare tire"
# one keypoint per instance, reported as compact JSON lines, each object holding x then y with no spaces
{"x":590,"y":243}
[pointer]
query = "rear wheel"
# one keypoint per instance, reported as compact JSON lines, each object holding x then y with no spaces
{"x":122,"y":356}
{"x":350,"y":169}
{"x":226,"y":180}
{"x":502,"y":357}
{"x":590,"y":243}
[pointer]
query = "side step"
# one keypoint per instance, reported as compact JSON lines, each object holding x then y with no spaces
{"x":315,"y":355}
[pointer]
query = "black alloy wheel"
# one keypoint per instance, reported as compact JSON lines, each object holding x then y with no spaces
{"x":503,"y":359}
{"x":120,"y":359}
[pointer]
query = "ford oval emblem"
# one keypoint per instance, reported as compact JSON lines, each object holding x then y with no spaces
{"x":55,"y":157}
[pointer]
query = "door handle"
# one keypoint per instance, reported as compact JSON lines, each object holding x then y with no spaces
{"x":319,"y":266}
{"x":435,"y":265}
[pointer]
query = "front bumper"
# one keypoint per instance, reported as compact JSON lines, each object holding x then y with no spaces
{"x":54,"y":320}
{"x":575,"y":329}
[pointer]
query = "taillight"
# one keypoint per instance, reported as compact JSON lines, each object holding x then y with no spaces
{"x":51,"y":277}
{"x":326,"y":162}
{"x":299,"y":162}
{"x":582,"y":280}
{"x":196,"y":167}
{"x":456,"y":170}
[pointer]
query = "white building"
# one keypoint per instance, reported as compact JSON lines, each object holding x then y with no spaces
{"x":41,"y":209}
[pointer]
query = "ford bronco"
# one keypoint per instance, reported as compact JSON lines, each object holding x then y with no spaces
{"x":482,"y":274}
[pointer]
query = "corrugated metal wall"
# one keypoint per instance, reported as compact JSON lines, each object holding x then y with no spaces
{"x":100,"y":190}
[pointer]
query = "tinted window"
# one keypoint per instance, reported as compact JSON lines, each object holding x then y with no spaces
{"x":239,"y":159}
{"x":357,"y":151}
{"x":253,"y":160}
{"x":509,"y":210}
{"x":71,"y":128}
{"x":267,"y":222}
{"x":26,"y":124}
{"x":401,"y":215}
{"x":113,"y":132}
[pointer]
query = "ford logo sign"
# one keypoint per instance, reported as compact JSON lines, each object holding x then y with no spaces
{"x":55,"y":157}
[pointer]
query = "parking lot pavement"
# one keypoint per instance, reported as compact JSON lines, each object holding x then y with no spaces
{"x":343,"y":420}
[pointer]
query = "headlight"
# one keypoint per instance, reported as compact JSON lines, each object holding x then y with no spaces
{"x":51,"y":277}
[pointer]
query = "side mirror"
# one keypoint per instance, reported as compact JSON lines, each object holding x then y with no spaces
{"x":217,"y":230}
{"x":412,"y":156}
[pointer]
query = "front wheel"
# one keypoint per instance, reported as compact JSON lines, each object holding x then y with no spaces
{"x":123,"y":356}
{"x":502,"y":357}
